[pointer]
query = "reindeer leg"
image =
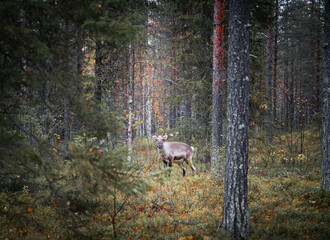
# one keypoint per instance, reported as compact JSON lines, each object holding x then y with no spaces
{"x":170,"y":161}
{"x":191,"y":165}
{"x":165,"y":163}
{"x":183,"y":169}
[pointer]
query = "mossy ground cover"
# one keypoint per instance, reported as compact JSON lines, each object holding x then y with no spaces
{"x":285,"y":200}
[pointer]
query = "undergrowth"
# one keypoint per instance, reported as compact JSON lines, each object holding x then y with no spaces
{"x":285,"y":199}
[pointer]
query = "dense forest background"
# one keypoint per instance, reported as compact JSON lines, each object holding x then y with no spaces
{"x":85,"y":84}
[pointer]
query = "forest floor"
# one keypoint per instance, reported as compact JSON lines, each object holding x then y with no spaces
{"x":285,"y":199}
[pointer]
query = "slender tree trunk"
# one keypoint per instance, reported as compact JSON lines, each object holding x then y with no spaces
{"x":149,"y":102}
{"x":300,"y":102}
{"x":318,"y":78}
{"x":98,"y":90}
{"x":318,"y":66}
{"x":173,"y":109}
{"x":325,"y":178}
{"x":217,"y":84}
{"x":142,"y":112}
{"x":286,"y":96}
{"x":130,"y":103}
{"x":275,"y":64}
{"x":261,"y":90}
{"x":311,"y":71}
{"x":291,"y":94}
{"x":235,"y":203}
{"x":66,"y":117}
{"x":268,"y":84}
{"x":76,"y":123}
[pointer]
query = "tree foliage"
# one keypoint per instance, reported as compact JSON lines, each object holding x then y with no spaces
{"x":67,"y":78}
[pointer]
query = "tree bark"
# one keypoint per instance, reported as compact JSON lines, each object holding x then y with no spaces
{"x":291,"y":94}
{"x":130,"y":103}
{"x":66,"y":112}
{"x":268,"y":83}
{"x":286,"y":96}
{"x":217,"y":85}
{"x":325,"y":178}
{"x":98,"y":90}
{"x":311,"y":71}
{"x":235,"y":203}
{"x":275,"y":64}
{"x":149,"y":102}
{"x":142,"y":106}
{"x":318,"y":66}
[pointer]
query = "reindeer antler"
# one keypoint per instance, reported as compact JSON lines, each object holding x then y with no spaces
{"x":163,"y":132}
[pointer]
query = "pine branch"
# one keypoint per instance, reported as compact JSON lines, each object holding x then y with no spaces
{"x":59,"y":152}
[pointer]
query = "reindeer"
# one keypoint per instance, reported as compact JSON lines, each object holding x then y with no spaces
{"x":175,"y":152}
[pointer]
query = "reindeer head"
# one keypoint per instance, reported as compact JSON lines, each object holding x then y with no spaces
{"x":160,"y":140}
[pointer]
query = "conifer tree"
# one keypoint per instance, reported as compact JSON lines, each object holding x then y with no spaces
{"x":217,"y":84}
{"x":325,"y":181}
{"x":235,"y":203}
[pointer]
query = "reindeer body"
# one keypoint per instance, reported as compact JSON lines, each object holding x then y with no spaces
{"x":175,"y":152}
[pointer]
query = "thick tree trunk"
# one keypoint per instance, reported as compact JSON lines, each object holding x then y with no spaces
{"x":217,"y":85}
{"x":325,"y":180}
{"x":235,"y":203}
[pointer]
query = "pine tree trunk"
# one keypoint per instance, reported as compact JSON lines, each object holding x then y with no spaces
{"x":235,"y":203}
{"x":98,"y":90}
{"x":66,"y":112}
{"x":318,"y":78}
{"x":79,"y":58}
{"x":149,"y":103}
{"x":130,"y":103}
{"x":142,"y":105}
{"x":268,"y":84}
{"x":311,"y":71}
{"x":318,"y":66}
{"x":291,"y":95}
{"x":173,"y":109}
{"x":217,"y":85}
{"x":275,"y":64}
{"x":286,"y":97}
{"x":325,"y":178}
{"x":300,"y":102}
